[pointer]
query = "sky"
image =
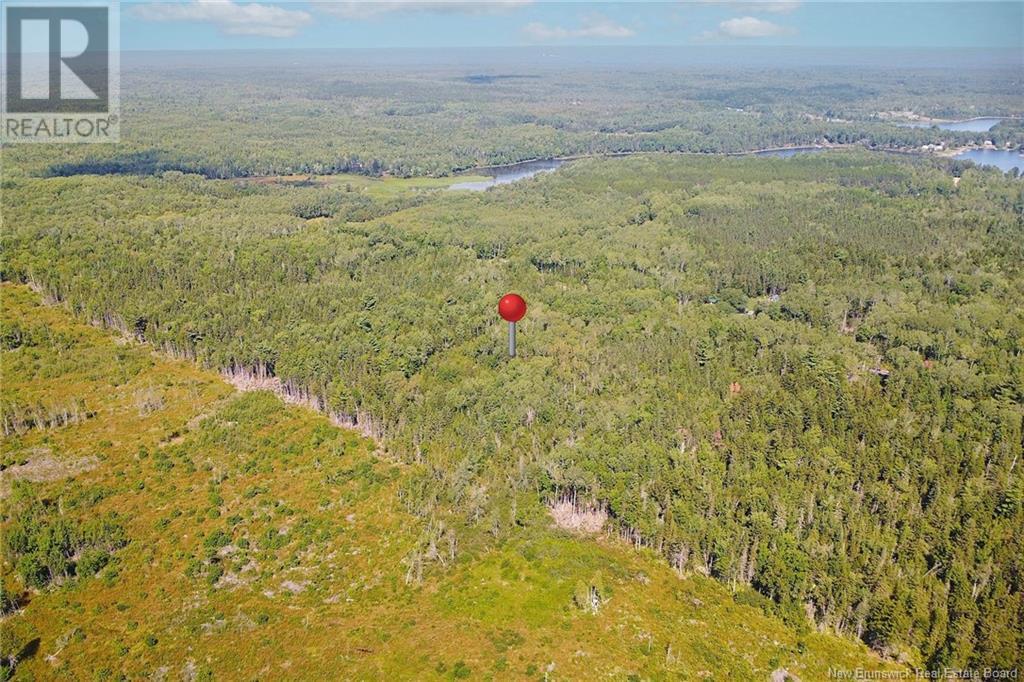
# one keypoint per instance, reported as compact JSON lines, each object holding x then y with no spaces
{"x":232,"y":24}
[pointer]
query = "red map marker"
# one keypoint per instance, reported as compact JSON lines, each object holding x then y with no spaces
{"x":512,"y":308}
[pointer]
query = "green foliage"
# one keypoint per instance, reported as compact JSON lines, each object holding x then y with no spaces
{"x":581,"y":595}
{"x":819,"y":362}
{"x":91,"y":562}
{"x":217,"y":539}
{"x":46,"y":545}
{"x":798,"y":376}
{"x":329,"y":115}
{"x":589,"y":595}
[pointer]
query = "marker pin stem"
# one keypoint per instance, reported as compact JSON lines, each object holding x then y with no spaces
{"x":512,"y":308}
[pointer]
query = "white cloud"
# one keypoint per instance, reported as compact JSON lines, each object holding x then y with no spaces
{"x":595,"y":26}
{"x":232,"y":18}
{"x":747,"y":27}
{"x":365,"y":9}
{"x":752,"y":27}
{"x":757,"y":6}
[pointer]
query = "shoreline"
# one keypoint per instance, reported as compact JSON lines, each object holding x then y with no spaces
{"x":950,"y":153}
{"x":938,"y":121}
{"x":963,"y":149}
{"x":482,"y":170}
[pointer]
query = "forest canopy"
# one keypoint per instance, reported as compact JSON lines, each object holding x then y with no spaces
{"x":801,"y":378}
{"x":800,"y":375}
{"x":329,"y":112}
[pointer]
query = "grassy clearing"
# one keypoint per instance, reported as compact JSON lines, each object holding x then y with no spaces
{"x":262,"y":542}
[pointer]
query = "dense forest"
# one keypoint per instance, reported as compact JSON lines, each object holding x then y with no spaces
{"x":801,"y":377}
{"x":326,"y":112}
{"x":795,"y":381}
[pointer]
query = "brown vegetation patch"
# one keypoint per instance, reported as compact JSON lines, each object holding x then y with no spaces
{"x":42,"y":468}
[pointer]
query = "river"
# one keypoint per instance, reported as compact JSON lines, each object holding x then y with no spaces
{"x":502,"y":175}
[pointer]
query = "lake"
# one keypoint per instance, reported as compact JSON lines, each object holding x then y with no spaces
{"x":973,"y":125}
{"x":1004,"y":159}
{"x":502,"y":175}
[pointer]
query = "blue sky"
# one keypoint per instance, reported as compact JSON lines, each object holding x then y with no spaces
{"x":233,"y":24}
